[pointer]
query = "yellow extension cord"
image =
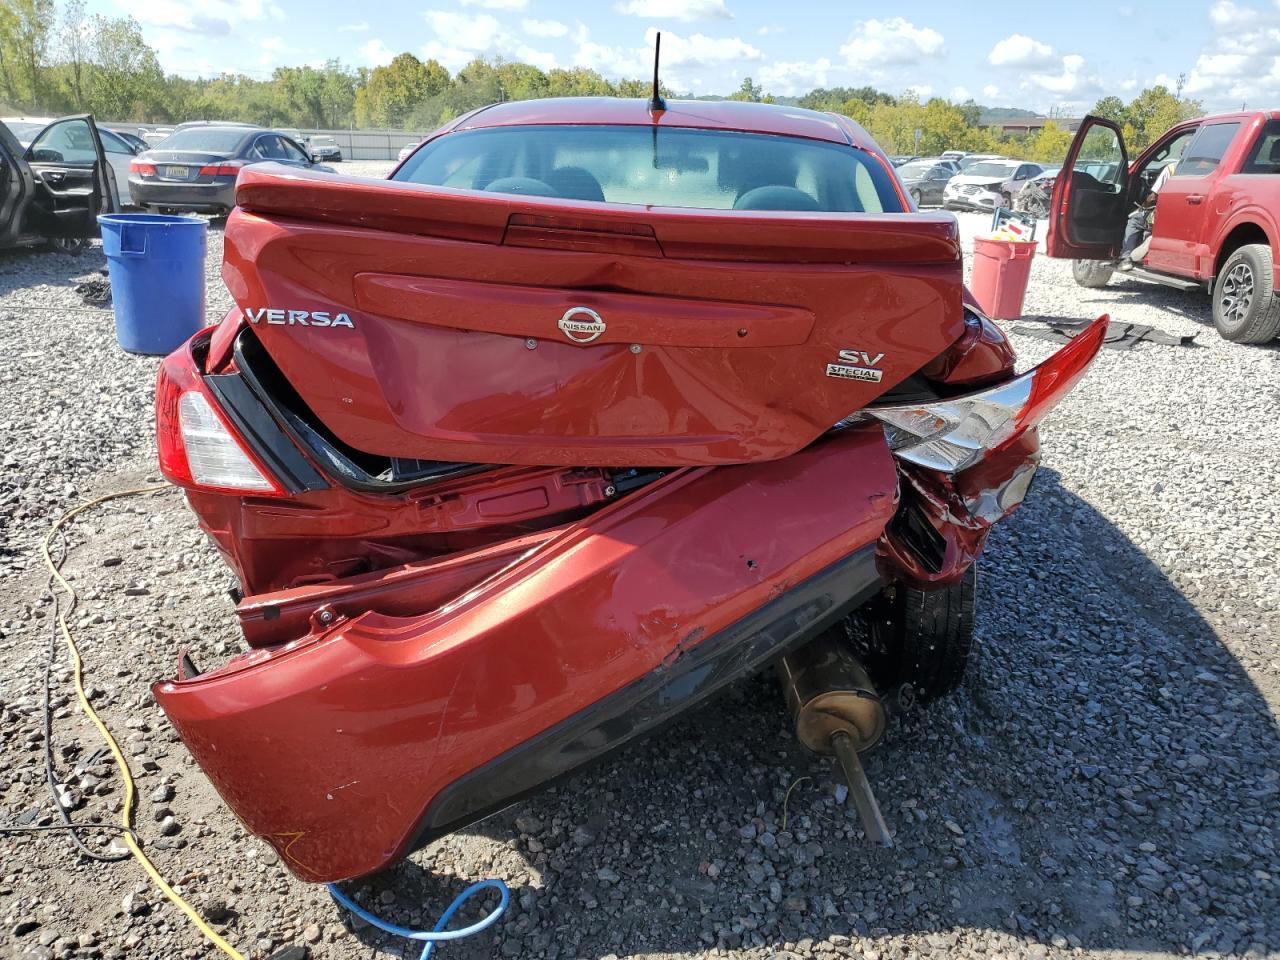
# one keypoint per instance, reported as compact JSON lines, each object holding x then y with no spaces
{"x":126,"y":815}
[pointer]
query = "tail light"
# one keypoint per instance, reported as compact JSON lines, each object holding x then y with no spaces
{"x":198,"y":447}
{"x":142,"y":167}
{"x":952,"y":435}
{"x":230,"y":168}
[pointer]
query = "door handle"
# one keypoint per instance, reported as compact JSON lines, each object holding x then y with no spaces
{"x":54,"y":176}
{"x":1195,"y":198}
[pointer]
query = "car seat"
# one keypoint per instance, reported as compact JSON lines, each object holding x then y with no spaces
{"x":775,"y":197}
{"x":527,"y":186}
{"x":575,"y":183}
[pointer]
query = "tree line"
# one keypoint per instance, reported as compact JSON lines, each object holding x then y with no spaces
{"x":55,"y":61}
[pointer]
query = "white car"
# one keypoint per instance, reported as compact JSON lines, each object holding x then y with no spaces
{"x":989,"y":184}
{"x":407,"y":149}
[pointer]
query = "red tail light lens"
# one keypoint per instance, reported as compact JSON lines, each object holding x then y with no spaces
{"x":198,"y":448}
{"x":142,"y":168}
{"x":229,"y":169}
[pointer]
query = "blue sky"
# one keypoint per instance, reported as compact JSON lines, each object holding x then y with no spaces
{"x":1000,"y":54}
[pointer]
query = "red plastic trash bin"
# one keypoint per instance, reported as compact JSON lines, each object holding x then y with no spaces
{"x":1001,"y":269}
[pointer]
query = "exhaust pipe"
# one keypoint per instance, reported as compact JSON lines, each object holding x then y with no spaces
{"x":837,"y":711}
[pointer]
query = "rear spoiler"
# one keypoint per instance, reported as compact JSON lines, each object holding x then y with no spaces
{"x":273,"y":190}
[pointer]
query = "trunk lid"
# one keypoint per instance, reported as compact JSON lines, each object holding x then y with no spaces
{"x":437,"y":324}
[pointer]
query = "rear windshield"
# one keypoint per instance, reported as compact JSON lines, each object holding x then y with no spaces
{"x":196,"y":138}
{"x":674,"y":167}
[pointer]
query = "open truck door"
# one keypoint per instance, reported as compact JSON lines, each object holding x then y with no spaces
{"x":1090,"y":197}
{"x":73,"y":181}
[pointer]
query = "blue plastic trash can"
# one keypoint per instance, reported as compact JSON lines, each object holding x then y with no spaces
{"x":156,"y":264}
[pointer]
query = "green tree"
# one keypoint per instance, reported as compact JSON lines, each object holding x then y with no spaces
{"x":1111,"y":108}
{"x":1049,"y":144}
{"x":75,"y":48}
{"x":126,"y":79}
{"x":393,"y":91}
{"x":750,"y":92}
{"x":26,"y":29}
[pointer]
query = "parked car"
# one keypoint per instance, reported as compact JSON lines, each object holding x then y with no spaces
{"x":130,"y":137}
{"x":989,"y":184}
{"x":325,"y":149}
{"x":1216,"y":218}
{"x":926,"y":178}
{"x":156,"y":135}
{"x":52,"y":190}
{"x":197,"y":166}
{"x":898,"y":159}
{"x":969,"y":159}
{"x":407,"y":149}
{"x":956,"y":155}
{"x":474,"y":493}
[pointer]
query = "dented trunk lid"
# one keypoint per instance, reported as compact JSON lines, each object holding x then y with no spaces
{"x":438,"y":324}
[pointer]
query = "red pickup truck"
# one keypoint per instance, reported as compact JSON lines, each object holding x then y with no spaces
{"x":1217,"y":216}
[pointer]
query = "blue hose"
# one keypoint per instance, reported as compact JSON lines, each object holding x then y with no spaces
{"x":438,"y":933}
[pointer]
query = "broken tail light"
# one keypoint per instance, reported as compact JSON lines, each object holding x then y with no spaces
{"x":952,"y":435}
{"x":198,"y":447}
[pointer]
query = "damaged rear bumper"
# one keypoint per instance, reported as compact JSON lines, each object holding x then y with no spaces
{"x":373,"y":733}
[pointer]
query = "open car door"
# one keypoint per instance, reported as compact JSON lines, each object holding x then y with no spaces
{"x":73,"y":181}
{"x":15,"y":187}
{"x":1090,"y":197}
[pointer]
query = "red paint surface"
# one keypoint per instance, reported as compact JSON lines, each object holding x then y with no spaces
{"x":731,"y":361}
{"x":332,"y":749}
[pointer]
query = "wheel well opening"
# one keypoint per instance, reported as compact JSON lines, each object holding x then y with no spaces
{"x":1245,"y":233}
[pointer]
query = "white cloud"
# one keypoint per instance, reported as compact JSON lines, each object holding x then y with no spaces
{"x":1071,"y":80}
{"x":211,"y":17}
{"x":684,"y":10}
{"x":361,"y":27}
{"x":769,"y":29}
{"x":1018,"y":50}
{"x":990,"y":91}
{"x":960,"y":94}
{"x":699,"y":49}
{"x":376,"y":53}
{"x":921,"y":91}
{"x":791,"y":78}
{"x":497,"y":4}
{"x":1224,"y":13}
{"x":461,"y":37}
{"x":889,"y":42}
{"x":544,"y":28}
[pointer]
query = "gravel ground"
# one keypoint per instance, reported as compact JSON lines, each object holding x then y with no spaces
{"x":1106,"y":783}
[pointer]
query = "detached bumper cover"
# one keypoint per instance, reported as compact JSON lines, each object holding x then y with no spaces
{"x":374,"y":734}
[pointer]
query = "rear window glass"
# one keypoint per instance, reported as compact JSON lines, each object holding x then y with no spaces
{"x":1206,"y":150}
{"x":1265,"y":155}
{"x":708,"y":169}
{"x":214,"y":141}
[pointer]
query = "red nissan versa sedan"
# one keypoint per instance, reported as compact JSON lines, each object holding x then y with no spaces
{"x":590,"y":409}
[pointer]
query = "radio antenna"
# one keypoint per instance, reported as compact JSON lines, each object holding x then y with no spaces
{"x":656,"y":102}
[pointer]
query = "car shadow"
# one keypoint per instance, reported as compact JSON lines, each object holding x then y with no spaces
{"x":1106,"y":778}
{"x":26,"y":267}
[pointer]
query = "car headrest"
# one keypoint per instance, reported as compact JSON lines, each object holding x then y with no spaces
{"x":523,"y":185}
{"x":776,"y":197}
{"x":575,"y":183}
{"x":1274,"y":155}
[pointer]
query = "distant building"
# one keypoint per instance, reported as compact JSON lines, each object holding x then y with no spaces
{"x":1021,"y":126}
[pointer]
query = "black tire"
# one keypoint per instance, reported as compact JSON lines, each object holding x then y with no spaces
{"x":923,"y":638}
{"x":71,"y":245}
{"x":1245,"y":306}
{"x":1093,"y":274}
{"x":916,"y":198}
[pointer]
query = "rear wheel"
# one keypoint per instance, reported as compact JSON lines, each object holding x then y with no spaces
{"x":1091,"y":273}
{"x":1245,"y":306}
{"x":67,"y":244}
{"x":916,"y":198}
{"x":917,"y":642}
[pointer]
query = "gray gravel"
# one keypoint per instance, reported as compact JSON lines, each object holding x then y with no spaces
{"x":1106,"y":783}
